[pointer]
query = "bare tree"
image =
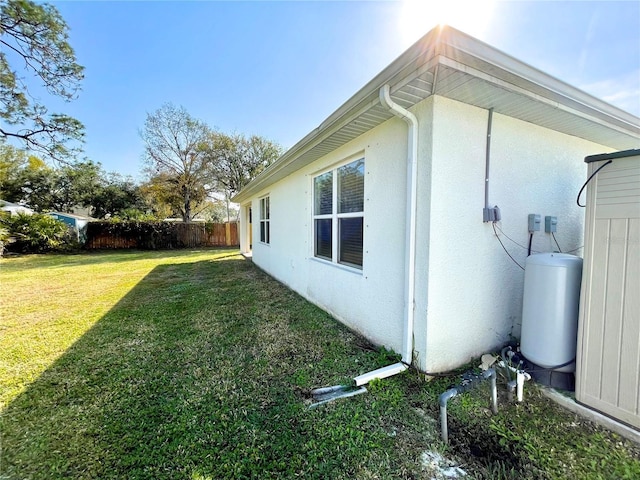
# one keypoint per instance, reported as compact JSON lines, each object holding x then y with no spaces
{"x":174,"y":151}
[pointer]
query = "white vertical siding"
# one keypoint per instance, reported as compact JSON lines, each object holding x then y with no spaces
{"x":608,"y":369}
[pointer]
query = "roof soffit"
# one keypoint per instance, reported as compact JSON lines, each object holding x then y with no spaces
{"x":509,"y":86}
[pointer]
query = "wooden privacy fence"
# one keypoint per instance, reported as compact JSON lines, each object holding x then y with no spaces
{"x":160,"y":235}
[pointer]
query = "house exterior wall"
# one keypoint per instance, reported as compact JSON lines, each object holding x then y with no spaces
{"x":371,"y":300}
{"x":468,"y":292}
{"x":245,"y":234}
{"x":474,"y":290}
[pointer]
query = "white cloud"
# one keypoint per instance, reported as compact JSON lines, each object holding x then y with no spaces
{"x":622,"y":91}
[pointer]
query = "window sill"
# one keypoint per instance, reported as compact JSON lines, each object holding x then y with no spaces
{"x":346,"y":268}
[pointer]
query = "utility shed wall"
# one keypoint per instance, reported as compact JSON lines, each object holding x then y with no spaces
{"x":371,"y":300}
{"x":474,"y":289}
{"x":608,"y":357}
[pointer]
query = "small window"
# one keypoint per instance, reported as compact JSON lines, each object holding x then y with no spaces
{"x":338,"y":214}
{"x":265,"y":215}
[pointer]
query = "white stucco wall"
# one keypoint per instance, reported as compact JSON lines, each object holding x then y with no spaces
{"x":370,"y":301}
{"x":243,"y":228}
{"x":474,"y":290}
{"x":468,"y":292}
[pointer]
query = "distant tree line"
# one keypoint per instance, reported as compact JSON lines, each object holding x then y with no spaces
{"x":188,"y":163}
{"x":194,"y":180}
{"x":27,"y":180}
{"x":191,"y":170}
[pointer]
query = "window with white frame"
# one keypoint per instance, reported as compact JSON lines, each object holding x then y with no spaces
{"x":265,"y":214}
{"x":338,"y":214}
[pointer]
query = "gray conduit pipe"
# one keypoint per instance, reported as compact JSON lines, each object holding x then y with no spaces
{"x":511,"y":386}
{"x":487,"y":160}
{"x":489,"y":214}
{"x":452,"y":392}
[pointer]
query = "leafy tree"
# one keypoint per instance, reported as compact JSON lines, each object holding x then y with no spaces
{"x":76,"y":184}
{"x":215,"y":211}
{"x":27,"y":180}
{"x":160,"y":196}
{"x":116,"y":196}
{"x":12,"y":162}
{"x":174,"y":156}
{"x":235,"y":159}
{"x":43,"y":188}
{"x":163,"y":193}
{"x":36,"y":233}
{"x":34,"y":37}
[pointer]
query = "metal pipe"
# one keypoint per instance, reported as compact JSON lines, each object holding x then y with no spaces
{"x":452,"y":392}
{"x":325,"y":395}
{"x":491,"y":373}
{"x":487,"y":160}
{"x":412,"y":202}
{"x":503,"y":354}
{"x":325,"y":390}
{"x":512,"y":388}
{"x":444,"y":398}
{"x":489,"y":214}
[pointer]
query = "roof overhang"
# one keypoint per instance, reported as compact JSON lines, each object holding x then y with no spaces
{"x":451,"y":64}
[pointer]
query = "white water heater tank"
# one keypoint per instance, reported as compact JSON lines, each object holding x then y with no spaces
{"x":550,"y":309}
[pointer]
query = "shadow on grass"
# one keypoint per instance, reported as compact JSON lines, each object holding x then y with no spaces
{"x":202,"y":371}
{"x":198,"y":372}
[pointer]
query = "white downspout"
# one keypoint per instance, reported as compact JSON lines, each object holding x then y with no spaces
{"x":410,"y":281}
{"x":412,"y":201}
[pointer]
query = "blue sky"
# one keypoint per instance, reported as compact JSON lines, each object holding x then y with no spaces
{"x":278,"y":69}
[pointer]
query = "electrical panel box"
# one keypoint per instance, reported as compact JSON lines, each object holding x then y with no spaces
{"x":534,"y":222}
{"x":550,"y":224}
{"x":491,"y":214}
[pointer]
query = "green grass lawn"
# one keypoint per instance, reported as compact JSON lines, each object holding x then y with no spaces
{"x":196,"y":365}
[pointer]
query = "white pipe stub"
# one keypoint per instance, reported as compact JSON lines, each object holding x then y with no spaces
{"x":383,"y":372}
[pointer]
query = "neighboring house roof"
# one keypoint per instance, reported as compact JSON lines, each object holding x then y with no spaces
{"x":180,"y":220}
{"x":449,"y":63}
{"x":71,"y":215}
{"x":14,"y":207}
{"x":4,"y":203}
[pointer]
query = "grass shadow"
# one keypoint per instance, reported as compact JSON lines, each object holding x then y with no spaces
{"x":200,"y":371}
{"x":203,"y":370}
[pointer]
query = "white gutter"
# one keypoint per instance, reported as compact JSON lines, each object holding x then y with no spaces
{"x":410,"y":281}
{"x":412,"y":201}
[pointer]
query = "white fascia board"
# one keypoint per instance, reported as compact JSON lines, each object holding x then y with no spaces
{"x":596,"y":116}
{"x":367,"y":97}
{"x":271,"y":174}
{"x":491,"y":62}
{"x":449,"y":46}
